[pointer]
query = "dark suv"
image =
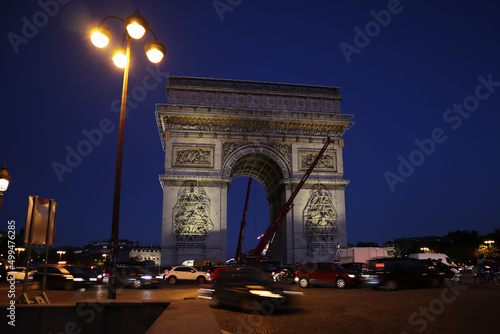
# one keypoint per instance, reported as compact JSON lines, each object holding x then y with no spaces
{"x":395,"y":272}
{"x":324,"y":273}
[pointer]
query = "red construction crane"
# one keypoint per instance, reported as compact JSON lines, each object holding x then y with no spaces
{"x":260,"y":252}
{"x":243,"y":223}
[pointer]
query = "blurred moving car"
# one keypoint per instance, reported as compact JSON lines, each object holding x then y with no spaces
{"x":324,"y":273}
{"x":395,"y":272}
{"x":136,"y":277}
{"x":19,"y":273}
{"x":83,"y":277}
{"x":3,"y":273}
{"x":269,"y":266}
{"x":185,"y":273}
{"x":214,"y":274}
{"x":359,"y":267}
{"x":219,"y":272}
{"x":57,"y":278}
{"x":250,"y":290}
{"x":468,"y":266}
{"x":284,"y":275}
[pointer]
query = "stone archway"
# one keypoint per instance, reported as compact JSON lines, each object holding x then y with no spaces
{"x":259,"y":161}
{"x":215,"y":130}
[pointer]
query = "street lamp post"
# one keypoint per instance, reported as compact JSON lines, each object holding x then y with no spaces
{"x":489,"y":243}
{"x":135,"y":27}
{"x":4,"y":182}
{"x":60,"y":252}
{"x":19,"y":250}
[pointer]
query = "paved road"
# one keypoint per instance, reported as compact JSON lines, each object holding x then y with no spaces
{"x":448,"y":309}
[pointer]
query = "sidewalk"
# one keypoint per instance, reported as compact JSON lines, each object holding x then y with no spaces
{"x":186,"y":316}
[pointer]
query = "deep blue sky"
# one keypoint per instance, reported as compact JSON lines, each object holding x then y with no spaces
{"x":399,"y":84}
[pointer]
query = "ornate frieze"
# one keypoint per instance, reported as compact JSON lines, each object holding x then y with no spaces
{"x":327,"y":162}
{"x":193,"y":156}
{"x":251,"y":127}
{"x":252,"y":100}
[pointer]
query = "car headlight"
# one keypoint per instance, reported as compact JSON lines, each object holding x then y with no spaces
{"x":265,"y":293}
{"x":147,"y":277}
{"x":351,"y":275}
{"x":78,"y":279}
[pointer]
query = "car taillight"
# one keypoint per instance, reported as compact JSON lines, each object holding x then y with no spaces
{"x":379,"y":265}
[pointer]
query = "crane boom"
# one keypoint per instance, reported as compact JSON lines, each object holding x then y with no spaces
{"x":266,"y":241}
{"x":243,"y":223}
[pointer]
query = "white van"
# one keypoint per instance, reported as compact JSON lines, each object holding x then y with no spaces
{"x":433,"y":256}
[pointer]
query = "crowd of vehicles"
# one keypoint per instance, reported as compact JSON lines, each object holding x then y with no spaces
{"x":387,"y":273}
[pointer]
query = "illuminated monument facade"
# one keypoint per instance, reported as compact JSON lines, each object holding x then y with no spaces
{"x":215,"y":130}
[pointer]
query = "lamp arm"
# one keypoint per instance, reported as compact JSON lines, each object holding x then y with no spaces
{"x":149,"y":29}
{"x":112,"y":17}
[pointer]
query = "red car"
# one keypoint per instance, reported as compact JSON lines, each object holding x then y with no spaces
{"x":217,"y":272}
{"x":222,"y":272}
{"x":324,"y":273}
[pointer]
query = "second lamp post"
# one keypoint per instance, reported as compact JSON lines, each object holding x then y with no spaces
{"x":135,"y":27}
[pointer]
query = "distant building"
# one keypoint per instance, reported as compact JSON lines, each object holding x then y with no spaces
{"x":147,"y":254}
{"x":104,"y":247}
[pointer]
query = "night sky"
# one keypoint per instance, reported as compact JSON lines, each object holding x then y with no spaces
{"x":421,"y":77}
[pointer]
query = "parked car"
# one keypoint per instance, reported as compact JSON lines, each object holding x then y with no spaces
{"x":324,"y":273}
{"x":57,"y":278}
{"x":393,"y":273}
{"x":136,"y":277}
{"x":185,"y":273}
{"x":250,"y":290}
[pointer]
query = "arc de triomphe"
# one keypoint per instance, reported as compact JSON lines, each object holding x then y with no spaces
{"x":214,"y":130}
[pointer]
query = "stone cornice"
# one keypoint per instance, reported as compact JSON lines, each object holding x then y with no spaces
{"x":229,"y":120}
{"x":243,"y":85}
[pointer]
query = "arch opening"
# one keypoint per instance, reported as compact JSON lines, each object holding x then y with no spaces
{"x":257,"y":218}
{"x":261,"y":166}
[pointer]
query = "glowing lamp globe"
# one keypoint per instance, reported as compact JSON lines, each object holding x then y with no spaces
{"x":155,"y":51}
{"x":136,"y":25}
{"x":120,"y":57}
{"x":4,"y":179}
{"x":100,"y":35}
